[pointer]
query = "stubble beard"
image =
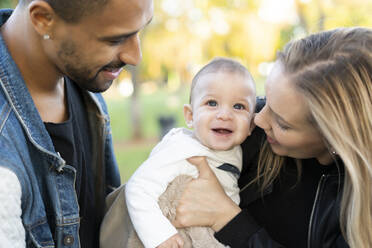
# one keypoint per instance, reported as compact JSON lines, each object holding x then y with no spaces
{"x":75,"y":69}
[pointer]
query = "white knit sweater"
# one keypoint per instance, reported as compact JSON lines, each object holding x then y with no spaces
{"x":12,"y":232}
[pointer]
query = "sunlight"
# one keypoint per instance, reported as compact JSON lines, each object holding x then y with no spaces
{"x":274,"y":11}
{"x":126,"y":87}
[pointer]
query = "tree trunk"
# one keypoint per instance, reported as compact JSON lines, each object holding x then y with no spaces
{"x":134,"y":103}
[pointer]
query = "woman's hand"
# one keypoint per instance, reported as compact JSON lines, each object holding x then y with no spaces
{"x":204,"y":202}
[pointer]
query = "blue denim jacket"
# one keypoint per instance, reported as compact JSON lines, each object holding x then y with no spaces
{"x":50,"y":211}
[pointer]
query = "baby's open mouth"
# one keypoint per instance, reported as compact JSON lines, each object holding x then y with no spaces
{"x":222,"y":130}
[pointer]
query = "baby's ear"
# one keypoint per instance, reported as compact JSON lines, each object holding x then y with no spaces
{"x":252,"y":125}
{"x":187,"y":113}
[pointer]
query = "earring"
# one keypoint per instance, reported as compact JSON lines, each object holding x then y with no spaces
{"x":46,"y":37}
{"x":333,"y":152}
{"x":189,"y":124}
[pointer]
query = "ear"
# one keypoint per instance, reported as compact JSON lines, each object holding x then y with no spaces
{"x":252,"y":125}
{"x":187,"y":113}
{"x":42,"y":17}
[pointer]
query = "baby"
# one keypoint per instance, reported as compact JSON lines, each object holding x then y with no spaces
{"x":222,"y":103}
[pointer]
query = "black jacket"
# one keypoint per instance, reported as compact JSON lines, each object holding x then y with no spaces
{"x":324,"y":227}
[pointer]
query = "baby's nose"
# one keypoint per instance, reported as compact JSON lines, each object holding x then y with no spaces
{"x":224,"y":114}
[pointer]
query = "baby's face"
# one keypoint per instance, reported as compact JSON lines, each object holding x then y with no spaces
{"x":222,"y":109}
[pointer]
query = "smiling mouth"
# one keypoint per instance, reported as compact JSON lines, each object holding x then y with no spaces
{"x":112,"y":69}
{"x":222,"y":131}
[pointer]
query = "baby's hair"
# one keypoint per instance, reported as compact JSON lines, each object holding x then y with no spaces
{"x":220,"y":64}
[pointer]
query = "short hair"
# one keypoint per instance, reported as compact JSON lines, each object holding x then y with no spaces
{"x":73,"y":11}
{"x":220,"y":64}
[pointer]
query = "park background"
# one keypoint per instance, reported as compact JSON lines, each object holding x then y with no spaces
{"x":145,"y":101}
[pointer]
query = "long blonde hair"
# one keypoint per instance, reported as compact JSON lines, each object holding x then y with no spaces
{"x":333,"y":72}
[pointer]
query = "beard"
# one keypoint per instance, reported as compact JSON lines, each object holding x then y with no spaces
{"x":91,"y":83}
{"x":79,"y":71}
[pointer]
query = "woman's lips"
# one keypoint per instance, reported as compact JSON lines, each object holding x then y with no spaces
{"x":270,"y":140}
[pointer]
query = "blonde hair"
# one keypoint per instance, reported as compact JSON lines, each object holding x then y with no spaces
{"x":333,"y":72}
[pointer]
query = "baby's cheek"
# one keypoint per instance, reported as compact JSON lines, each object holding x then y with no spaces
{"x":248,"y":121}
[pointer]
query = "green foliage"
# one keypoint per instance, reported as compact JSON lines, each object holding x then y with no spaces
{"x":180,"y":42}
{"x":131,"y":156}
{"x":160,"y":103}
{"x":119,"y":111}
{"x":6,"y":4}
{"x":175,"y":45}
{"x":131,"y":153}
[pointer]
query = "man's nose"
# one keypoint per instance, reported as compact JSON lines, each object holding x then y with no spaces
{"x":131,"y":51}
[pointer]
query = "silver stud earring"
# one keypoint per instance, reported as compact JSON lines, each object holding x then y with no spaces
{"x":46,"y":37}
{"x":334,"y":152}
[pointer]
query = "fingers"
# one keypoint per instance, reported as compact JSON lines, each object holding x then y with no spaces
{"x":175,"y":241}
{"x":176,"y":223}
{"x":202,"y":165}
{"x":180,"y":242}
{"x":196,"y":160}
{"x":181,"y":218}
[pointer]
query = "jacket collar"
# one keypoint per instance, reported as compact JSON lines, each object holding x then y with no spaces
{"x":20,"y":100}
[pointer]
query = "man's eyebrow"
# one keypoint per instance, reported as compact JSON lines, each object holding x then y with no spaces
{"x":123,"y":36}
{"x":118,"y":37}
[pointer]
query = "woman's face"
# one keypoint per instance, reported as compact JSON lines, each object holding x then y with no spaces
{"x":285,"y":121}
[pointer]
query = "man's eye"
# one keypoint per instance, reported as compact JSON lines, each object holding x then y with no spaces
{"x":212,"y":103}
{"x":115,"y":42}
{"x":239,"y":106}
{"x":118,"y":41}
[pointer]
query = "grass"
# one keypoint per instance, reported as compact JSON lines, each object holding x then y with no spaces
{"x":131,"y":153}
{"x":130,"y":156}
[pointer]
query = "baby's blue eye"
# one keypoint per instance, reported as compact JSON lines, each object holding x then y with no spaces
{"x":239,"y":106}
{"x":212,"y":103}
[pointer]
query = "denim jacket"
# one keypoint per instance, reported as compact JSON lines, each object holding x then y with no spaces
{"x":50,"y":211}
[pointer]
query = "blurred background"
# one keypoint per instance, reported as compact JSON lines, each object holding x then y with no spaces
{"x":147,"y":100}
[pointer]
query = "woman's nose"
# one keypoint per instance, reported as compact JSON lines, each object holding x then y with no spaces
{"x":262,"y":119}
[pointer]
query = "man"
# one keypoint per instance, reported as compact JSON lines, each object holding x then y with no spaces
{"x":56,"y":157}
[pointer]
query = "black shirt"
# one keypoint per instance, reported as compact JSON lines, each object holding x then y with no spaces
{"x":272,"y":213}
{"x":72,"y":140}
{"x":290,"y":204}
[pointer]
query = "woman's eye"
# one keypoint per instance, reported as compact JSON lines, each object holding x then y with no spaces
{"x":212,"y":103}
{"x":283,"y":127}
{"x":239,"y":106}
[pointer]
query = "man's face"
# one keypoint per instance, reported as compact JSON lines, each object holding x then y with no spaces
{"x":93,"y":51}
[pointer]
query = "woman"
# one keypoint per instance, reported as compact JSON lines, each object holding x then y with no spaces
{"x":310,"y":184}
